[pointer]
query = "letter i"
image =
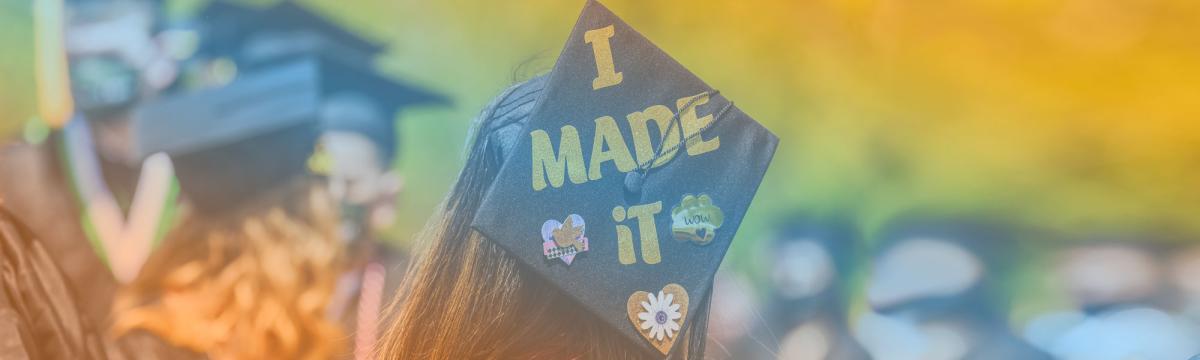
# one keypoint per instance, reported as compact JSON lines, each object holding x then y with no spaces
{"x":624,"y":238}
{"x":606,"y":71}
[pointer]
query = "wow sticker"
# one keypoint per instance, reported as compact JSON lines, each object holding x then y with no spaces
{"x":696,"y":219}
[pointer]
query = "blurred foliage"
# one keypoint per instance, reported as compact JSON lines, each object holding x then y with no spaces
{"x":1070,"y":116}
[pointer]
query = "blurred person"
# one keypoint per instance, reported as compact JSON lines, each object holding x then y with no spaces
{"x":358,"y":137}
{"x":1117,"y":288}
{"x":809,"y":261}
{"x":935,"y":293}
{"x":250,"y":271}
{"x":487,"y":286}
{"x":98,"y":207}
{"x":359,"y":141}
{"x":360,"y":144}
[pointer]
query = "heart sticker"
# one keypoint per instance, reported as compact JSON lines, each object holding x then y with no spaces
{"x":564,"y":240}
{"x":659,"y":317}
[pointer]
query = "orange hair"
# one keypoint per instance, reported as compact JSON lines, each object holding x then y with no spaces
{"x":251,"y":285}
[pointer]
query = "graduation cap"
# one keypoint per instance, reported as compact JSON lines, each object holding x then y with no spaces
{"x":229,"y":144}
{"x":355,"y":97}
{"x":254,"y":36}
{"x":931,"y":262}
{"x":359,"y":100}
{"x":594,"y":197}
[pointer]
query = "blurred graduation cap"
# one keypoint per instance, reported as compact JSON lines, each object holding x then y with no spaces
{"x":659,"y":225}
{"x":362,"y":101}
{"x":253,"y":36}
{"x":229,"y":144}
{"x":354,"y":97}
{"x":204,"y":130}
{"x":947,"y":261}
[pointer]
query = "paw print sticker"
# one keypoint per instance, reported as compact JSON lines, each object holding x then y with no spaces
{"x":696,"y":219}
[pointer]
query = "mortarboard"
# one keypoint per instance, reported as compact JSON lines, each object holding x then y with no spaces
{"x":231,"y":143}
{"x":630,"y":223}
{"x":360,"y":100}
{"x":991,"y":241}
{"x":912,"y":264}
{"x":253,"y":35}
{"x":354,"y":96}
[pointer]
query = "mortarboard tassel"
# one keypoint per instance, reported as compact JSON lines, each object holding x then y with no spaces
{"x":635,"y":179}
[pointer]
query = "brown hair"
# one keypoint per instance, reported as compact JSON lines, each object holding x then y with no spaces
{"x":252,"y":284}
{"x":466,"y":298}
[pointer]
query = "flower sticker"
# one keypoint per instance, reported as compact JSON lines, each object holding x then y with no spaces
{"x":564,"y":240}
{"x":659,"y":317}
{"x":696,"y":219}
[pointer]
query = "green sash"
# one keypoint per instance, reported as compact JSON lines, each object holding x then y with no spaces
{"x":121,"y":242}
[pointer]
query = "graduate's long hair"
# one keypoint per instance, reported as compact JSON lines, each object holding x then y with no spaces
{"x":464,"y":297}
{"x":250,"y":284}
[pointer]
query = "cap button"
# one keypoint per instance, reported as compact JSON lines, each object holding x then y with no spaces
{"x":633,"y":184}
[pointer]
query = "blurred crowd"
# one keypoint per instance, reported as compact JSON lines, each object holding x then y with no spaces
{"x":125,"y":85}
{"x":938,"y":287}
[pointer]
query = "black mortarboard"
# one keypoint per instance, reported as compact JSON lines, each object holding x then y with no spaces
{"x":637,"y":247}
{"x":989,"y":242}
{"x":360,"y":100}
{"x":354,"y":96}
{"x":252,"y":35}
{"x":230,"y":143}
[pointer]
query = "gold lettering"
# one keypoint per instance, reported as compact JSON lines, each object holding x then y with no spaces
{"x":569,"y":159}
{"x":692,"y":125}
{"x":639,"y":122}
{"x":609,"y":135}
{"x":625,"y":252}
{"x":647,"y":230}
{"x":606,"y":71}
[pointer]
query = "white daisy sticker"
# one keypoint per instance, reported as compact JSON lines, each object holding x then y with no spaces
{"x":659,"y":317}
